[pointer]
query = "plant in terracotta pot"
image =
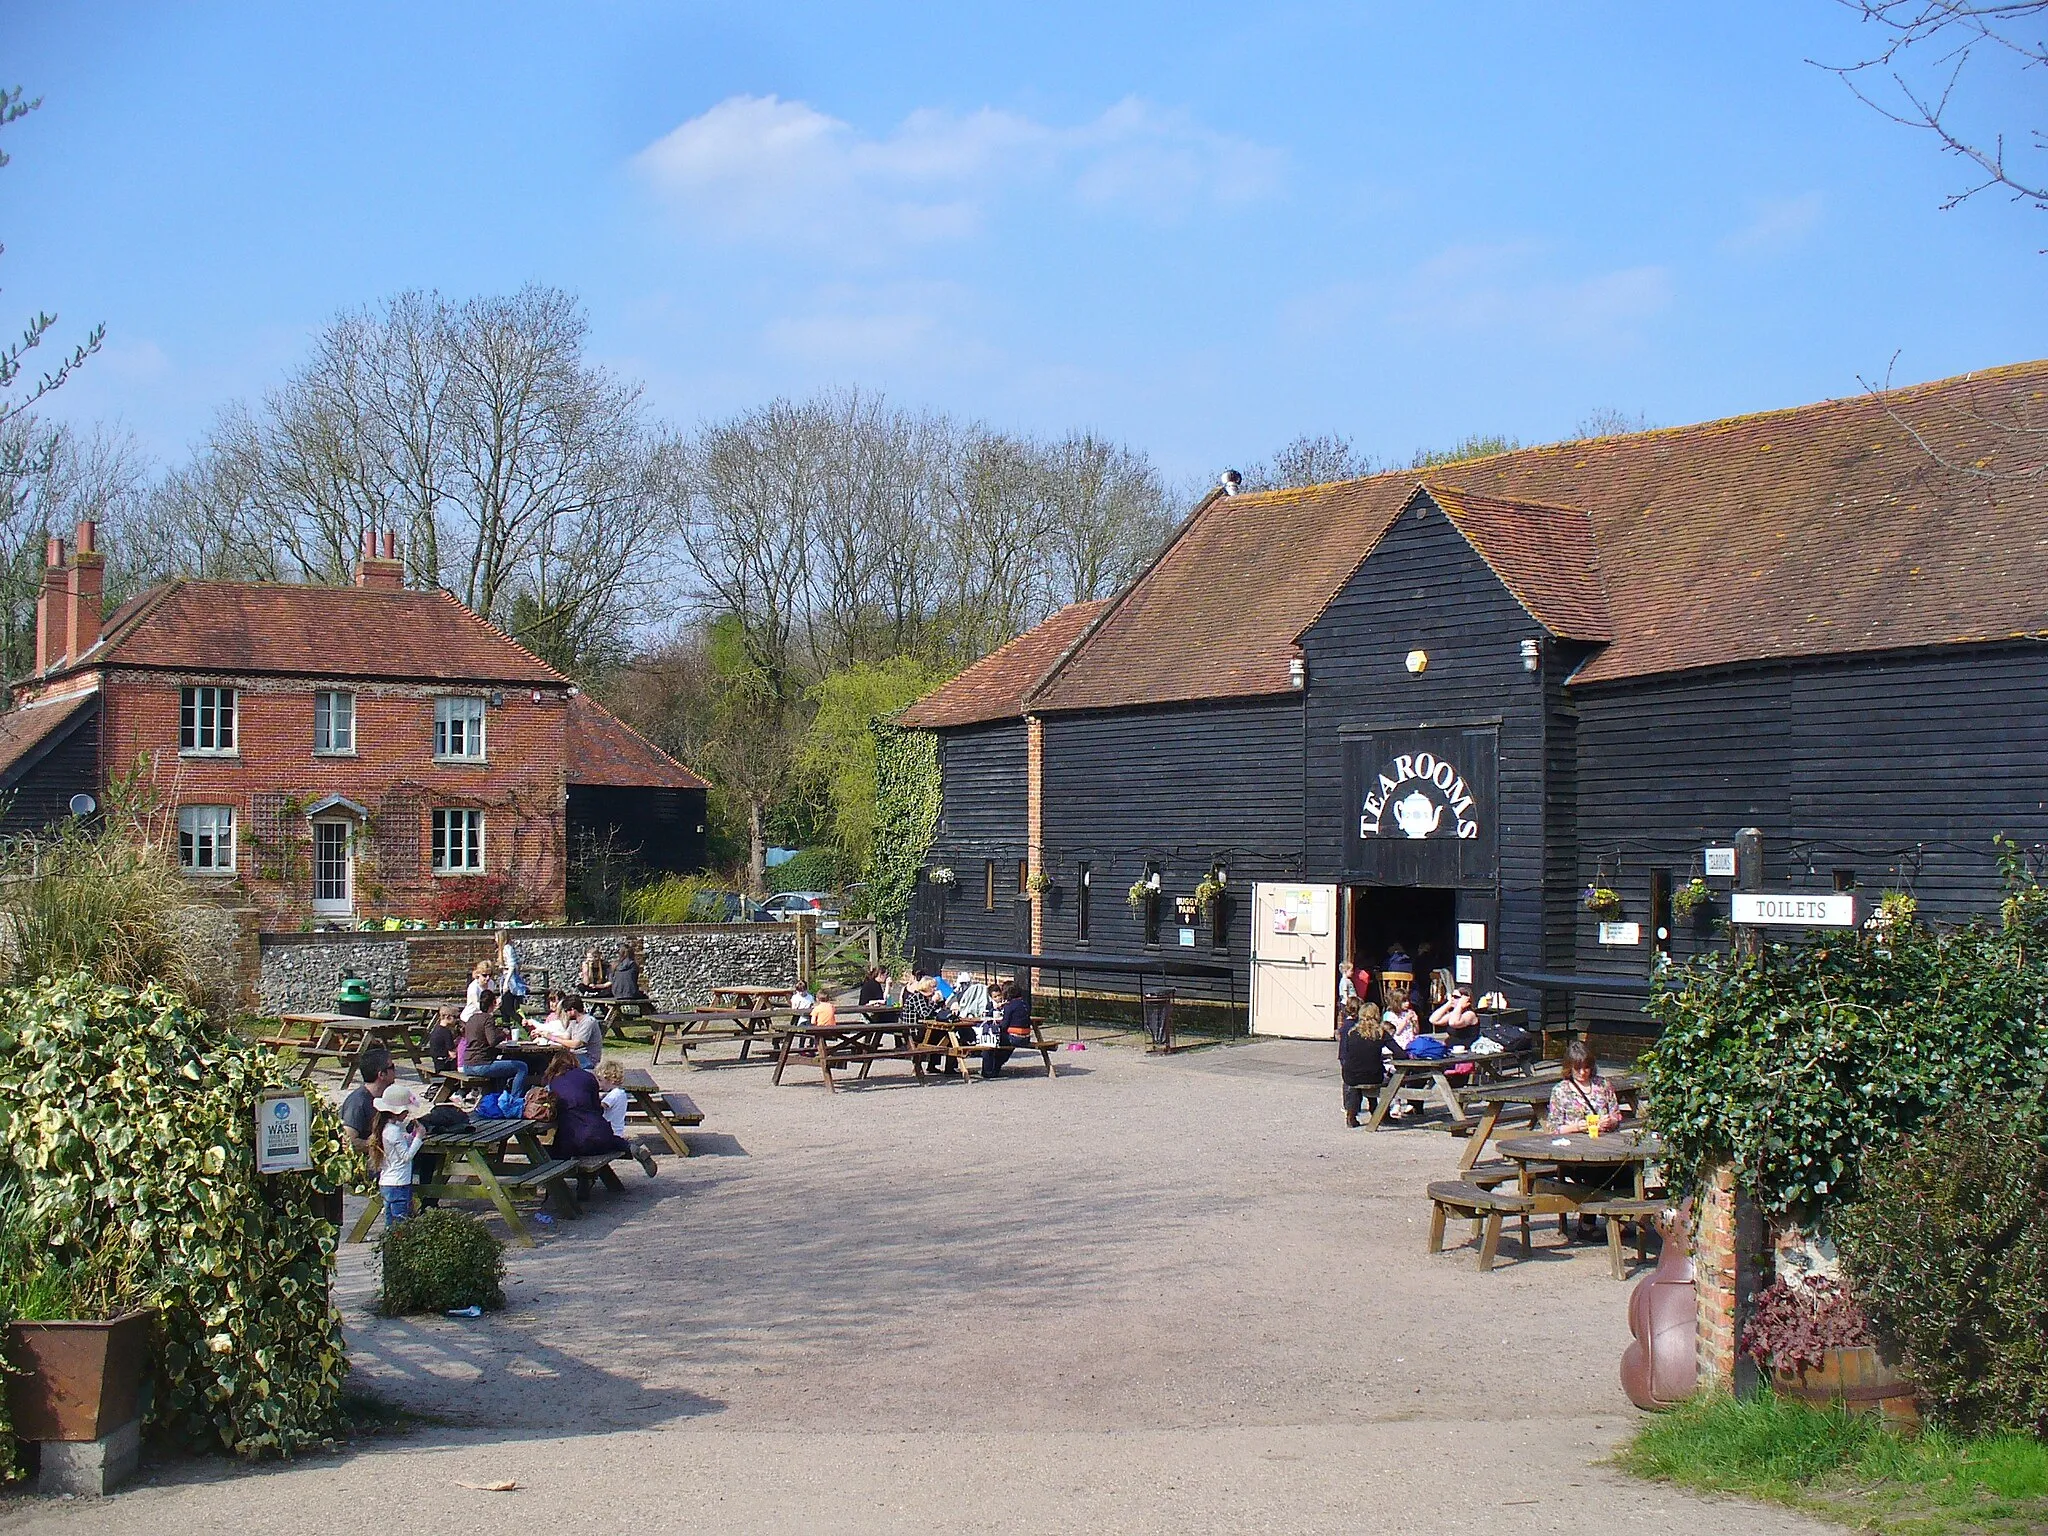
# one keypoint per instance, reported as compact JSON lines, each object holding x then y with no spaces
{"x":77,"y":1334}
{"x":1817,"y":1345}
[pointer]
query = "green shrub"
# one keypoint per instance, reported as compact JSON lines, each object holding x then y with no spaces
{"x":80,"y":900}
{"x":1947,"y":1249}
{"x":906,"y":820}
{"x":440,"y":1260}
{"x":124,"y":1115}
{"x":1792,"y":1063}
{"x":814,"y":869}
{"x":675,"y":899}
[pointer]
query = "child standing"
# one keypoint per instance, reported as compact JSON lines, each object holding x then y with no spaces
{"x":1358,"y":1058}
{"x":395,"y":1137}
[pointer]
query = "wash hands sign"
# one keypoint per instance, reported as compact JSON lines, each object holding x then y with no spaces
{"x":284,"y":1133}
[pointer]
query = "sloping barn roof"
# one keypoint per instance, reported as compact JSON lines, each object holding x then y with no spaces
{"x":603,"y":749}
{"x":1917,"y":517}
{"x":995,"y":686}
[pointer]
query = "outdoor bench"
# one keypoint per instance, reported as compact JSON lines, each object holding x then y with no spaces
{"x":1615,"y":1214}
{"x":1484,"y":1207}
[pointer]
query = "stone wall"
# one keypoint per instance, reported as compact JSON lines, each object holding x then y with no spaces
{"x":221,"y":945}
{"x":679,"y":965}
{"x":302,"y":971}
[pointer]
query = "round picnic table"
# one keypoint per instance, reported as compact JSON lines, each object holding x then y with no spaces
{"x":1581,"y":1157}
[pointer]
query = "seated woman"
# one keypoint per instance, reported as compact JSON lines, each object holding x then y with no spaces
{"x":1582,"y":1092}
{"x":442,"y":1037}
{"x":581,"y":1129}
{"x":1012,"y":1029}
{"x":594,"y":976}
{"x":477,"y":1050}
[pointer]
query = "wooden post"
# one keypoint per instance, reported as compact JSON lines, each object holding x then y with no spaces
{"x":1749,"y":876}
{"x":806,"y":949}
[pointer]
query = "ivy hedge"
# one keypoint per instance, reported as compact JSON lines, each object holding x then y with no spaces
{"x":126,"y":1116}
{"x":1794,"y":1062}
{"x":906,"y":821}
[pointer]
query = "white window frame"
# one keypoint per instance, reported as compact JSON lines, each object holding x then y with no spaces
{"x":465,"y":711}
{"x":208,"y":822}
{"x":326,"y":740}
{"x":442,"y":839}
{"x":343,"y":905}
{"x":206,"y":705}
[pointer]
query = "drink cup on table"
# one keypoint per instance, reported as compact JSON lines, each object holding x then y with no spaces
{"x":1593,"y":1124}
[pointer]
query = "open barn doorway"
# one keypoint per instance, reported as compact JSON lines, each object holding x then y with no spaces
{"x":1419,"y":921}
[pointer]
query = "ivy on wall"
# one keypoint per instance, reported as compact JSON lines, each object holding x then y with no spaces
{"x":1794,"y":1063}
{"x":906,"y":820}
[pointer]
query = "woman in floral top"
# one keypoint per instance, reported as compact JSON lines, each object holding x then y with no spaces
{"x":1581,"y":1092}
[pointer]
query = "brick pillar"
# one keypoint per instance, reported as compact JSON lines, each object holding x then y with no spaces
{"x":1034,"y":825}
{"x":1714,"y":1280}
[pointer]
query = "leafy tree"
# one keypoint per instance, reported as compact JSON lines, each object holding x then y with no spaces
{"x":839,"y":748}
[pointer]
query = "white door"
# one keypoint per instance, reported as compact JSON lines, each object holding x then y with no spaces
{"x":333,"y":870}
{"x":1294,"y":960}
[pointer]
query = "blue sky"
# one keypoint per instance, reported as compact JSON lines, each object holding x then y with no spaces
{"x":1203,"y":229}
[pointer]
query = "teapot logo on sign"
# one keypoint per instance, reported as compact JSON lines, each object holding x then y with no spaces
{"x":1419,"y":813}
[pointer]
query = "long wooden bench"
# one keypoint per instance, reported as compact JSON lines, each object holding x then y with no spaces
{"x":588,"y":1171}
{"x":1484,"y":1208}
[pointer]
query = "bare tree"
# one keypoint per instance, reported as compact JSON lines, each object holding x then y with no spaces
{"x":1610,"y":421}
{"x":1106,"y":517}
{"x":1311,"y":459}
{"x":1913,"y":77}
{"x":520,"y":474}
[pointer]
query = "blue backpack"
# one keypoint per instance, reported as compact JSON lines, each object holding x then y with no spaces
{"x":500,"y":1106}
{"x":1427,"y":1048}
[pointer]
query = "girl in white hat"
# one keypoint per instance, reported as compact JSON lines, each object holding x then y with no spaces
{"x":395,"y":1137}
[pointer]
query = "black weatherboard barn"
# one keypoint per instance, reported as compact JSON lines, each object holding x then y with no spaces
{"x":1434,"y":709}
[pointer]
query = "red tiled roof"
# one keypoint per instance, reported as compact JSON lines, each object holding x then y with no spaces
{"x":603,"y":749}
{"x":1543,"y":555}
{"x":1918,"y":518}
{"x":26,"y":727}
{"x":291,"y":629}
{"x":995,"y":686}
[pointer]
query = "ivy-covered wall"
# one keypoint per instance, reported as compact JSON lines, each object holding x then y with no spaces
{"x":906,"y":819}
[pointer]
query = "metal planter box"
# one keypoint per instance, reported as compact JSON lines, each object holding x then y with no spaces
{"x":81,"y":1380}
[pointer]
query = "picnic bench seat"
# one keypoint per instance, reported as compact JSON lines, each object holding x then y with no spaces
{"x":683,"y":1108}
{"x":590,"y":1170}
{"x":1484,"y":1208}
{"x":1616,"y":1214}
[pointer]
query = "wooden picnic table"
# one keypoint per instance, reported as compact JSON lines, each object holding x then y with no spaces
{"x":476,"y":1164}
{"x":424,"y":1009}
{"x":1417,"y":1078}
{"x":666,"y":1111}
{"x":750,"y":1026}
{"x":1500,"y":1101}
{"x":749,"y":997}
{"x":1585,"y":1158}
{"x":865,"y":1042}
{"x":316,"y":1036}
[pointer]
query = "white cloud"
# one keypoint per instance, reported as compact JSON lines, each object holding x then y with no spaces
{"x":758,"y":168}
{"x":1493,"y":288}
{"x":1779,"y":226}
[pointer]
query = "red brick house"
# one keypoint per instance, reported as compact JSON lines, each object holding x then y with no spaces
{"x":333,"y":752}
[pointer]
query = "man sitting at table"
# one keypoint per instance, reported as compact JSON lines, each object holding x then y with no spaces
{"x":478,"y":1051}
{"x":580,"y":1032}
{"x":378,"y":1072}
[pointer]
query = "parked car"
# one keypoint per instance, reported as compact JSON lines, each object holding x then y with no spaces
{"x":785,"y":906}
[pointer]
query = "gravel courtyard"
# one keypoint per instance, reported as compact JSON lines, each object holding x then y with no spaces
{"x":1154,"y":1295}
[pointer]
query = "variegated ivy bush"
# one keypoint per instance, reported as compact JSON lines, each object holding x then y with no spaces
{"x":129,"y":1113}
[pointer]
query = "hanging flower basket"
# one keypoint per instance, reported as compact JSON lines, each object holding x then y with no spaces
{"x":1039,"y":883}
{"x":942,"y":876}
{"x":1208,"y":891}
{"x":1691,"y":897}
{"x":1601,"y":901}
{"x":1142,"y":891}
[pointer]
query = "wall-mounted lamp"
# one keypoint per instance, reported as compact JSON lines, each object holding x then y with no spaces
{"x":497,"y":701}
{"x":1418,"y":662}
{"x":1532,"y":655}
{"x":1297,"y":674}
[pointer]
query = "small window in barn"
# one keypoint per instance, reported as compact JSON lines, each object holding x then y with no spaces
{"x":458,"y":842}
{"x":988,"y":886}
{"x":1845,"y":879}
{"x":1151,"y":906}
{"x":1219,"y":911}
{"x":1023,"y":876}
{"x":1083,"y":889}
{"x":334,"y":722}
{"x":206,"y":839}
{"x":206,"y":721}
{"x":459,"y":730}
{"x":1660,"y":911}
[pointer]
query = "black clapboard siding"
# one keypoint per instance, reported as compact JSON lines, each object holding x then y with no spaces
{"x":664,"y":828}
{"x":1182,"y":788}
{"x":38,"y":789}
{"x":1423,"y":588}
{"x":984,"y":815}
{"x":1901,"y":768}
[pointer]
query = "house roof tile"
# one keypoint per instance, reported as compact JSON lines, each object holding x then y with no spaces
{"x":293,"y":629}
{"x":603,"y":749}
{"x":27,"y":728}
{"x":994,"y":688}
{"x":1914,"y":517}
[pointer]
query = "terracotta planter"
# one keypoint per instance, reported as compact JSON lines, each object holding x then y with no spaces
{"x":1856,"y":1378}
{"x":82,"y":1381}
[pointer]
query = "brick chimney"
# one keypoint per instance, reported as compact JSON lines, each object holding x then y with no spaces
{"x":50,"y":608}
{"x":383,"y":570}
{"x":88,"y":579}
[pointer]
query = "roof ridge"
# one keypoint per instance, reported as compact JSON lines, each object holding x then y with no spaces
{"x":487,"y":624}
